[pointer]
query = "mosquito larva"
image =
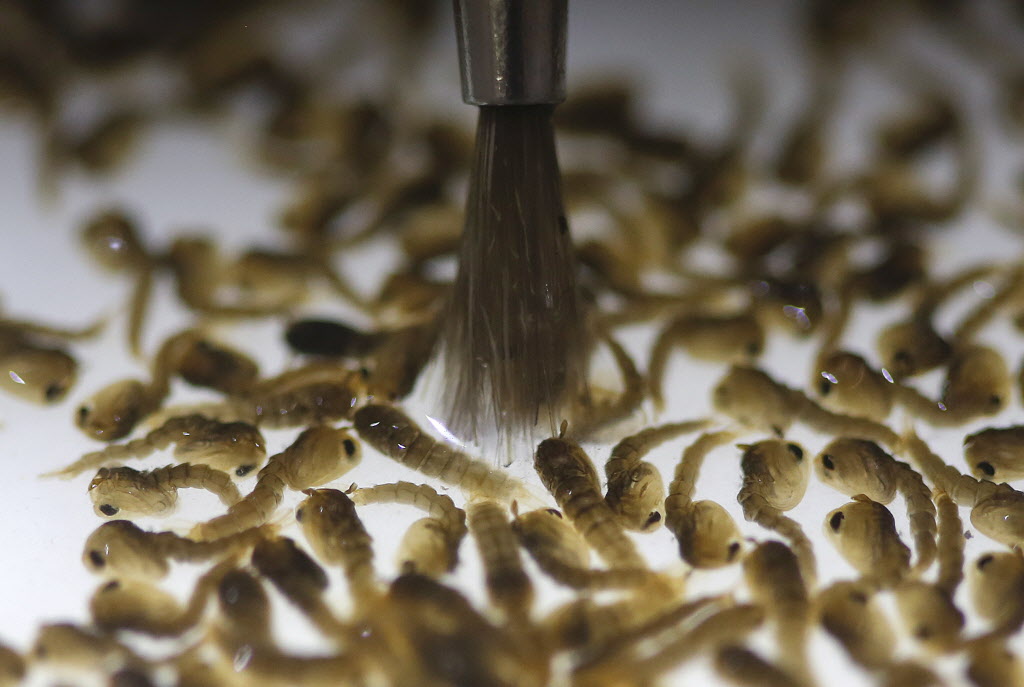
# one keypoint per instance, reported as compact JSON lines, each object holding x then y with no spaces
{"x":775,"y":477}
{"x":708,"y":536}
{"x":728,"y":338}
{"x":559,"y":551}
{"x":391,"y":432}
{"x":12,"y":667}
{"x":995,"y":580}
{"x":35,"y":372}
{"x":773,"y":575}
{"x":909,"y":673}
{"x":112,"y":412}
{"x":857,"y":466}
{"x":427,"y":622}
{"x":992,"y":664}
{"x":977,"y":382}
{"x":422,"y":496}
{"x":337,"y":536}
{"x":128,"y":492}
{"x":313,"y":394}
{"x":307,"y":395}
{"x":981,"y":315}
{"x":793,"y":306}
{"x":951,"y":544}
{"x":212,"y":365}
{"x":430,"y":546}
{"x":140,"y":607}
{"x":76,"y":646}
{"x":929,"y":615}
{"x":427,"y":548}
{"x":111,"y":237}
{"x":396,"y":362}
{"x":741,"y":666}
{"x":131,"y":677}
{"x":996,"y":453}
{"x":591,"y":416}
{"x":319,"y":455}
{"x":722,"y":627}
{"x":635,"y":491}
{"x":237,"y":448}
{"x":848,"y":384}
{"x":752,"y":398}
{"x":850,"y":613}
{"x":244,"y":609}
{"x":864,"y":532}
{"x":997,"y":510}
{"x":508,"y":586}
{"x":913,"y":347}
{"x":569,"y":475}
{"x":300,"y":579}
{"x":120,"y":549}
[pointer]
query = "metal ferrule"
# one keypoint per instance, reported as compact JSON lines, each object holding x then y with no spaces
{"x":511,"y":52}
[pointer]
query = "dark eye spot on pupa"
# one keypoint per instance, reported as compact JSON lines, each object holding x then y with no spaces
{"x":652,"y":518}
{"x":858,"y":597}
{"x":824,"y":386}
{"x":923,"y":632}
{"x":827,"y":461}
{"x":734,"y":549}
{"x":299,"y":514}
{"x":350,"y":447}
{"x":556,"y":513}
{"x":985,"y":560}
{"x":53,"y":392}
{"x":835,"y":521}
{"x":243,"y":470}
{"x":753,"y":348}
{"x":987,"y":468}
{"x":111,"y":586}
{"x":995,"y":400}
{"x":797,"y":452}
{"x":107,"y":509}
{"x":83,"y":415}
{"x":97,"y":558}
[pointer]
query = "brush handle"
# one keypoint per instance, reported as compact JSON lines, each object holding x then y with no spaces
{"x":511,"y":52}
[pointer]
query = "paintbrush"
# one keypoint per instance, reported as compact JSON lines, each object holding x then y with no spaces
{"x":512,"y":340}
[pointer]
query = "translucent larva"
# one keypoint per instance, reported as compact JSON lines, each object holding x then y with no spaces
{"x":775,"y":477}
{"x":857,"y":466}
{"x":569,"y":475}
{"x":752,"y":398}
{"x":430,"y":546}
{"x":773,"y":575}
{"x":120,"y":549}
{"x":508,"y":586}
{"x":392,"y":433}
{"x":237,"y":448}
{"x":736,"y":338}
{"x":319,"y":455}
{"x":708,"y":536}
{"x":128,"y":492}
{"x":301,"y":580}
{"x":560,"y":552}
{"x":850,"y":613}
{"x":997,"y":510}
{"x":996,"y":454}
{"x":336,"y":534}
{"x":635,"y":490}
{"x":864,"y":532}
{"x":994,"y":581}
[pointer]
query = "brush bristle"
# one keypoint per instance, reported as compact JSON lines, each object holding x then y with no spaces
{"x":513,"y":340}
